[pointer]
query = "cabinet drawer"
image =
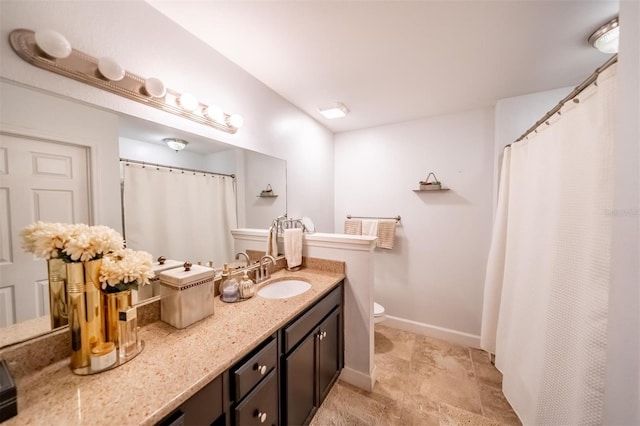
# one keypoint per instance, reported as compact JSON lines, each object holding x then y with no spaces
{"x":260,"y":407}
{"x":303,"y":325}
{"x":250,"y":372}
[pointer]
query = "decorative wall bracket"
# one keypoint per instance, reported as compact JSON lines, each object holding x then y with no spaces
{"x":84,"y":68}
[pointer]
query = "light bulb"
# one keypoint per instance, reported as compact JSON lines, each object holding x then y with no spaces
{"x":236,"y":120}
{"x":53,"y":44}
{"x":155,"y":87}
{"x":215,"y":113}
{"x":188,"y":102}
{"x":110,"y":69}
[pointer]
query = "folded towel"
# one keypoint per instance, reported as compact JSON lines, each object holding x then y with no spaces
{"x":293,"y":247}
{"x":272,"y":241}
{"x":353,"y":227}
{"x":386,"y":234}
{"x":370,"y":227}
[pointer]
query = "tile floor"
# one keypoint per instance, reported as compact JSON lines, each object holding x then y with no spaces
{"x":421,"y":381}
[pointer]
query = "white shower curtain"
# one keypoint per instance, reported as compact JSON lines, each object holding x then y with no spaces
{"x":179,"y":215}
{"x":547,"y":283}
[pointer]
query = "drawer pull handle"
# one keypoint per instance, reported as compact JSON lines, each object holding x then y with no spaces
{"x":261,"y":416}
{"x":261,"y":369}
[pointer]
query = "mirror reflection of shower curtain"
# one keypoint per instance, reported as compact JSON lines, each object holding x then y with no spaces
{"x":179,"y":215}
{"x":549,"y":269}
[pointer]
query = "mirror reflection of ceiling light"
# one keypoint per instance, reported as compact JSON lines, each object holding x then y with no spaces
{"x":336,"y":110}
{"x":175,"y":144}
{"x":606,"y":38}
{"x":215,"y":113}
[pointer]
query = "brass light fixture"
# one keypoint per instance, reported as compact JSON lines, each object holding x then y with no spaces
{"x":51,"y":51}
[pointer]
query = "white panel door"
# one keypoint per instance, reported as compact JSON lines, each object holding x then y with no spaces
{"x":39,"y":180}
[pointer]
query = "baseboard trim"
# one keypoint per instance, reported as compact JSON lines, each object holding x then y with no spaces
{"x":434,"y":331}
{"x":358,"y":379}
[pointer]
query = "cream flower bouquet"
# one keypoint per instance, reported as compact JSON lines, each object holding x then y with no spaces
{"x":70,"y":242}
{"x":125,"y":270}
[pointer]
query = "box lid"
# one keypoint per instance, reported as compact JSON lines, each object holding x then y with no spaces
{"x":179,"y":277}
{"x":168,"y":264}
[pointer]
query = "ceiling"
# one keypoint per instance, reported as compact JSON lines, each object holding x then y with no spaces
{"x":393,"y":61}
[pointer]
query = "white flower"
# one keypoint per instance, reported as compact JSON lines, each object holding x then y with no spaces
{"x":73,"y":242}
{"x":45,"y":240}
{"x":126,"y":268}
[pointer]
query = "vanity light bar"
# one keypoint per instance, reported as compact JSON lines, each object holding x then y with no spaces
{"x":151,"y":91}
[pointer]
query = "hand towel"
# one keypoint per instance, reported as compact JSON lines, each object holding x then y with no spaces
{"x":272,"y":241}
{"x":353,"y":227}
{"x":386,"y":234}
{"x":293,"y":247}
{"x":370,"y":227}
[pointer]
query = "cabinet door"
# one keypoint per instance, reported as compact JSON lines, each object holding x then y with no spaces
{"x":300,"y":384}
{"x":329,"y":353}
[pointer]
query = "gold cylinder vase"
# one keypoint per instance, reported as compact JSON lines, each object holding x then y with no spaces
{"x":93,"y":301}
{"x":58,"y":310}
{"x":80,"y":347}
{"x":113,"y":303}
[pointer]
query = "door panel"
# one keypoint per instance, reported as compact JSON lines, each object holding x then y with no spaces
{"x":39,"y":180}
{"x":329,"y":362}
{"x":300,"y":382}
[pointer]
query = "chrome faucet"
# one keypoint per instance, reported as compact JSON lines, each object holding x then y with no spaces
{"x":263,"y":269}
{"x":246,"y":257}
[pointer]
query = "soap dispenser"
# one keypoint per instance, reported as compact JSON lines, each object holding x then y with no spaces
{"x":247,"y":289}
{"x":229,"y":289}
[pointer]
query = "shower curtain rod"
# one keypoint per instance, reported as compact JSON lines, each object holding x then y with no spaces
{"x":144,"y":163}
{"x":592,"y":78}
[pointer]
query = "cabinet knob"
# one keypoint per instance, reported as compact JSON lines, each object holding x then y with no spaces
{"x":319,"y":336}
{"x":261,"y":369}
{"x":324,"y":334}
{"x":261,"y":416}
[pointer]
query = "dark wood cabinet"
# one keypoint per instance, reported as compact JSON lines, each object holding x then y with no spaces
{"x":283,"y":380}
{"x":312,"y":358}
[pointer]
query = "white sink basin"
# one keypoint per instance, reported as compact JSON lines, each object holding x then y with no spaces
{"x":284,"y":289}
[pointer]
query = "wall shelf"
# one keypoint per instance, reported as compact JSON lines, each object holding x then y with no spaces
{"x":267,"y":196}
{"x":431,"y":190}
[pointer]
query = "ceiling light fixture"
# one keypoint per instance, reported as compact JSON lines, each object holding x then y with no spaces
{"x":336,"y":110}
{"x":175,"y":144}
{"x":606,"y":38}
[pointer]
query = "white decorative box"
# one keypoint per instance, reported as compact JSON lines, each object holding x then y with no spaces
{"x":186,"y":295}
{"x":145,"y":292}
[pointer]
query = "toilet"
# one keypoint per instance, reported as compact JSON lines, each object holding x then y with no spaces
{"x":378,"y":313}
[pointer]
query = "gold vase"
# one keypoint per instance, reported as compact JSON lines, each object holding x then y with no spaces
{"x":93,"y":301}
{"x":112,"y":304}
{"x":80,"y":348}
{"x":86,"y":319}
{"x":58,"y":309}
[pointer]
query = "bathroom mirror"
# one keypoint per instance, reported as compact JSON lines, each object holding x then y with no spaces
{"x":28,"y":111}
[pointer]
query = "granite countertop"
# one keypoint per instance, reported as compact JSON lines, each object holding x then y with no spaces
{"x":173,"y":366}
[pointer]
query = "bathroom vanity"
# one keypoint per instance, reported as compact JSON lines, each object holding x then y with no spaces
{"x":281,"y":381}
{"x":262,"y":361}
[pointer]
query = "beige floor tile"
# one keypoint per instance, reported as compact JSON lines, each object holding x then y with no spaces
{"x":419,"y":410}
{"x":453,"y":416}
{"x":440,"y":386}
{"x":431,"y":353}
{"x":421,"y":381}
{"x":496,"y":406}
{"x":345,"y":406}
{"x":393,"y":341}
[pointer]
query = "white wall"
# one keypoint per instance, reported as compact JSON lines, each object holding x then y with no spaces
{"x":260,"y":171}
{"x":622,"y":397}
{"x":434,"y":276}
{"x":147,"y":43}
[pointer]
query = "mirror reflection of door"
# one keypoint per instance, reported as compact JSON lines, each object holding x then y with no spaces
{"x":39,"y":180}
